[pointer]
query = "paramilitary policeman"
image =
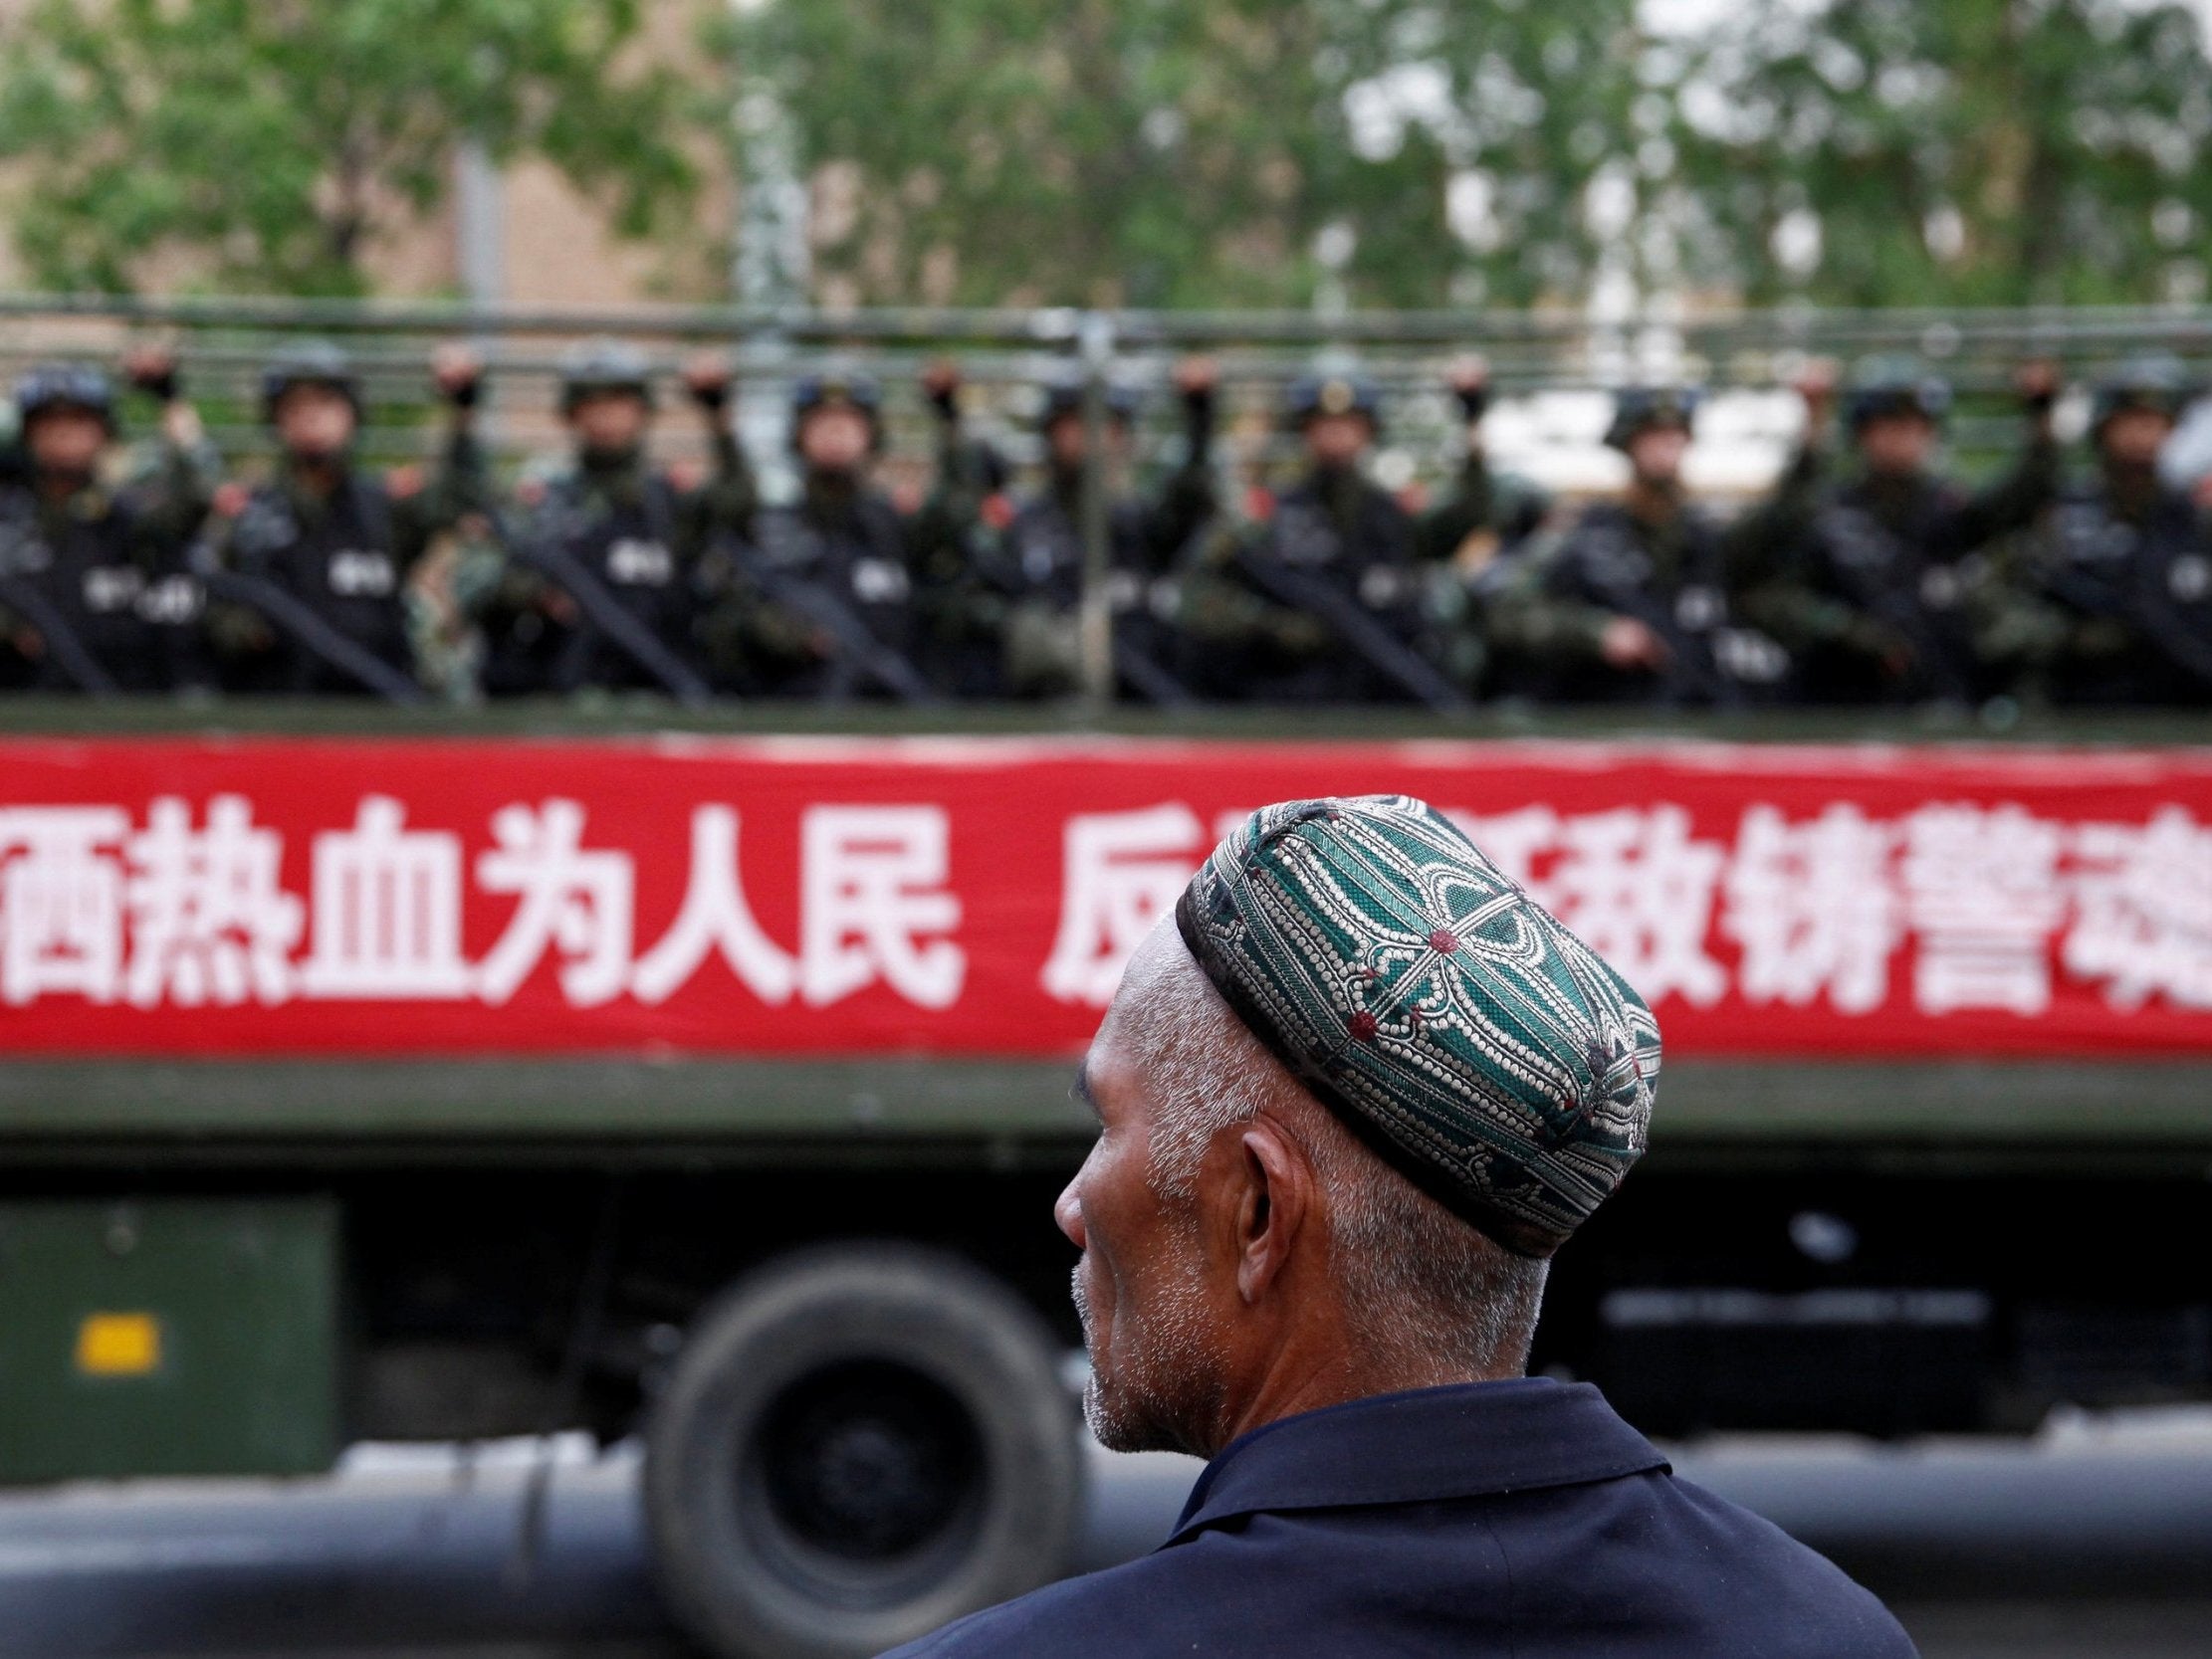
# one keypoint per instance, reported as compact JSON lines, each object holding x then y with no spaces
{"x":1629,"y":603}
{"x":1038,"y":562}
{"x":602,"y":535}
{"x":94,"y":591}
{"x":822,"y":591}
{"x":336,"y":541}
{"x":1323,"y":597}
{"x":1868,"y":581}
{"x":2109,"y":598}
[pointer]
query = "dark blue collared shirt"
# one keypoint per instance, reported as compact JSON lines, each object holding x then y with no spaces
{"x":1494,"y":1517}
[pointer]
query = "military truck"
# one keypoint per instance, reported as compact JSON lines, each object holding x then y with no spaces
{"x":372,"y":1073}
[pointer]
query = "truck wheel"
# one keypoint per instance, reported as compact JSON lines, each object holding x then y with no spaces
{"x":857,"y":1444}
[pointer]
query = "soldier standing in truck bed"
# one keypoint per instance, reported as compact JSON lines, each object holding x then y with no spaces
{"x":336,"y":542}
{"x":1629,"y":603}
{"x":1322,"y":597}
{"x":95,"y":591}
{"x":818,"y":600}
{"x":1037,"y":560}
{"x":2108,"y":599}
{"x":1868,"y":581}
{"x":602,"y":530}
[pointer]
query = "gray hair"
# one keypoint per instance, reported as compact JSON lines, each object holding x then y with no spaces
{"x":1418,"y":1280}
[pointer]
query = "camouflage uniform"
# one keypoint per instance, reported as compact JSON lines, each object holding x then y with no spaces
{"x":339,"y":542}
{"x":104,"y":564}
{"x":640,"y":542}
{"x":1653,"y":557}
{"x":1269,"y":610}
{"x":1870,"y":582}
{"x":2108,"y":599}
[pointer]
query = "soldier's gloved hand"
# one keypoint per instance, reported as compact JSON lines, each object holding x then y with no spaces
{"x":154,"y":370}
{"x":2038,"y":385}
{"x":458,"y":373}
{"x":941,"y":383}
{"x":707,"y":380}
{"x":1197,"y":379}
{"x":1471,"y":385}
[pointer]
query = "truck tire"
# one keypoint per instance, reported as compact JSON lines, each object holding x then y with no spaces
{"x":858,"y":1443}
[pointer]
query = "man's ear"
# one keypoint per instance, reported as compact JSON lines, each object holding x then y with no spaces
{"x":1275,"y":1203}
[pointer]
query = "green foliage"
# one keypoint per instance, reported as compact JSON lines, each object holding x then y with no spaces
{"x":269,"y":141}
{"x":1953,"y":151}
{"x":1157,"y":153}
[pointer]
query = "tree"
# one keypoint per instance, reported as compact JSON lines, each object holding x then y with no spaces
{"x":274,"y":140}
{"x":1876,"y":152}
{"x":1243,"y":153}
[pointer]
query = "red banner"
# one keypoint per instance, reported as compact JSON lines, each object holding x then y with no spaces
{"x":977,"y":897}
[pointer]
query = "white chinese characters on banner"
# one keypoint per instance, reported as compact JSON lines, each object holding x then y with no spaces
{"x":209,"y":918}
{"x":61,"y":902}
{"x":1120,"y":873}
{"x":388,"y":910}
{"x":1955,"y":906}
{"x":871,"y":896}
{"x":2143,"y":911}
{"x":1812,"y":908}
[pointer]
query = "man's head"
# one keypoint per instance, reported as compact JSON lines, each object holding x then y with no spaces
{"x":1896,"y":413}
{"x":67,"y":415}
{"x":311,"y":398}
{"x":1226,"y":1218}
{"x":2135,"y":410}
{"x":1652,"y":427}
{"x":606,"y":396}
{"x":836,"y":423}
{"x":1264,"y":1234}
{"x":1337,"y":416}
{"x":1063,"y":424}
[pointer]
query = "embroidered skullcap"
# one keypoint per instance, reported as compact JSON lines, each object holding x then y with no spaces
{"x":1422,"y":995}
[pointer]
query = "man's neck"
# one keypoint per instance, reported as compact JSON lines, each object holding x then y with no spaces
{"x":1308,"y":1376}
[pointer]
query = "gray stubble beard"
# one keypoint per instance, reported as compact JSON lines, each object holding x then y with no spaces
{"x":1165,"y":1391}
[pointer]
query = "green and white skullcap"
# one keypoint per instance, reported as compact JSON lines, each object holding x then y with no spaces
{"x":1423,"y":997}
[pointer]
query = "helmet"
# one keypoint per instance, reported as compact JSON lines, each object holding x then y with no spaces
{"x":1882,"y":386}
{"x":65,"y":386}
{"x":1311,"y":395}
{"x":308,"y":364}
{"x":598,"y":365}
{"x":837,"y":389}
{"x":2158,"y":383}
{"x":1064,"y":398}
{"x":1646,"y":408}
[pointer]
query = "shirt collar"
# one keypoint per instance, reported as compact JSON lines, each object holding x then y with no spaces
{"x":1470,"y":1441}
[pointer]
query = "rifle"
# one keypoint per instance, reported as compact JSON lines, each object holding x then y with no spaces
{"x":855,"y":644}
{"x":1693,"y":674}
{"x":270,"y":602}
{"x":1935,"y":660}
{"x":54,"y":628}
{"x":2171,"y":637}
{"x":1367,"y":638}
{"x":552,"y":560}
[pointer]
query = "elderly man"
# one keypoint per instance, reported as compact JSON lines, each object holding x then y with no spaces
{"x":1349,"y":1102}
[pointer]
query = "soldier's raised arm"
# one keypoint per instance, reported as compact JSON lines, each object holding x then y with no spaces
{"x":2029,"y":485}
{"x":1190,"y":497}
{"x":726,"y":499}
{"x":170,"y":498}
{"x":1486,"y":511}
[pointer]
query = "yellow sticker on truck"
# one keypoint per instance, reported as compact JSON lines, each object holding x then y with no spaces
{"x":118,"y":1344}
